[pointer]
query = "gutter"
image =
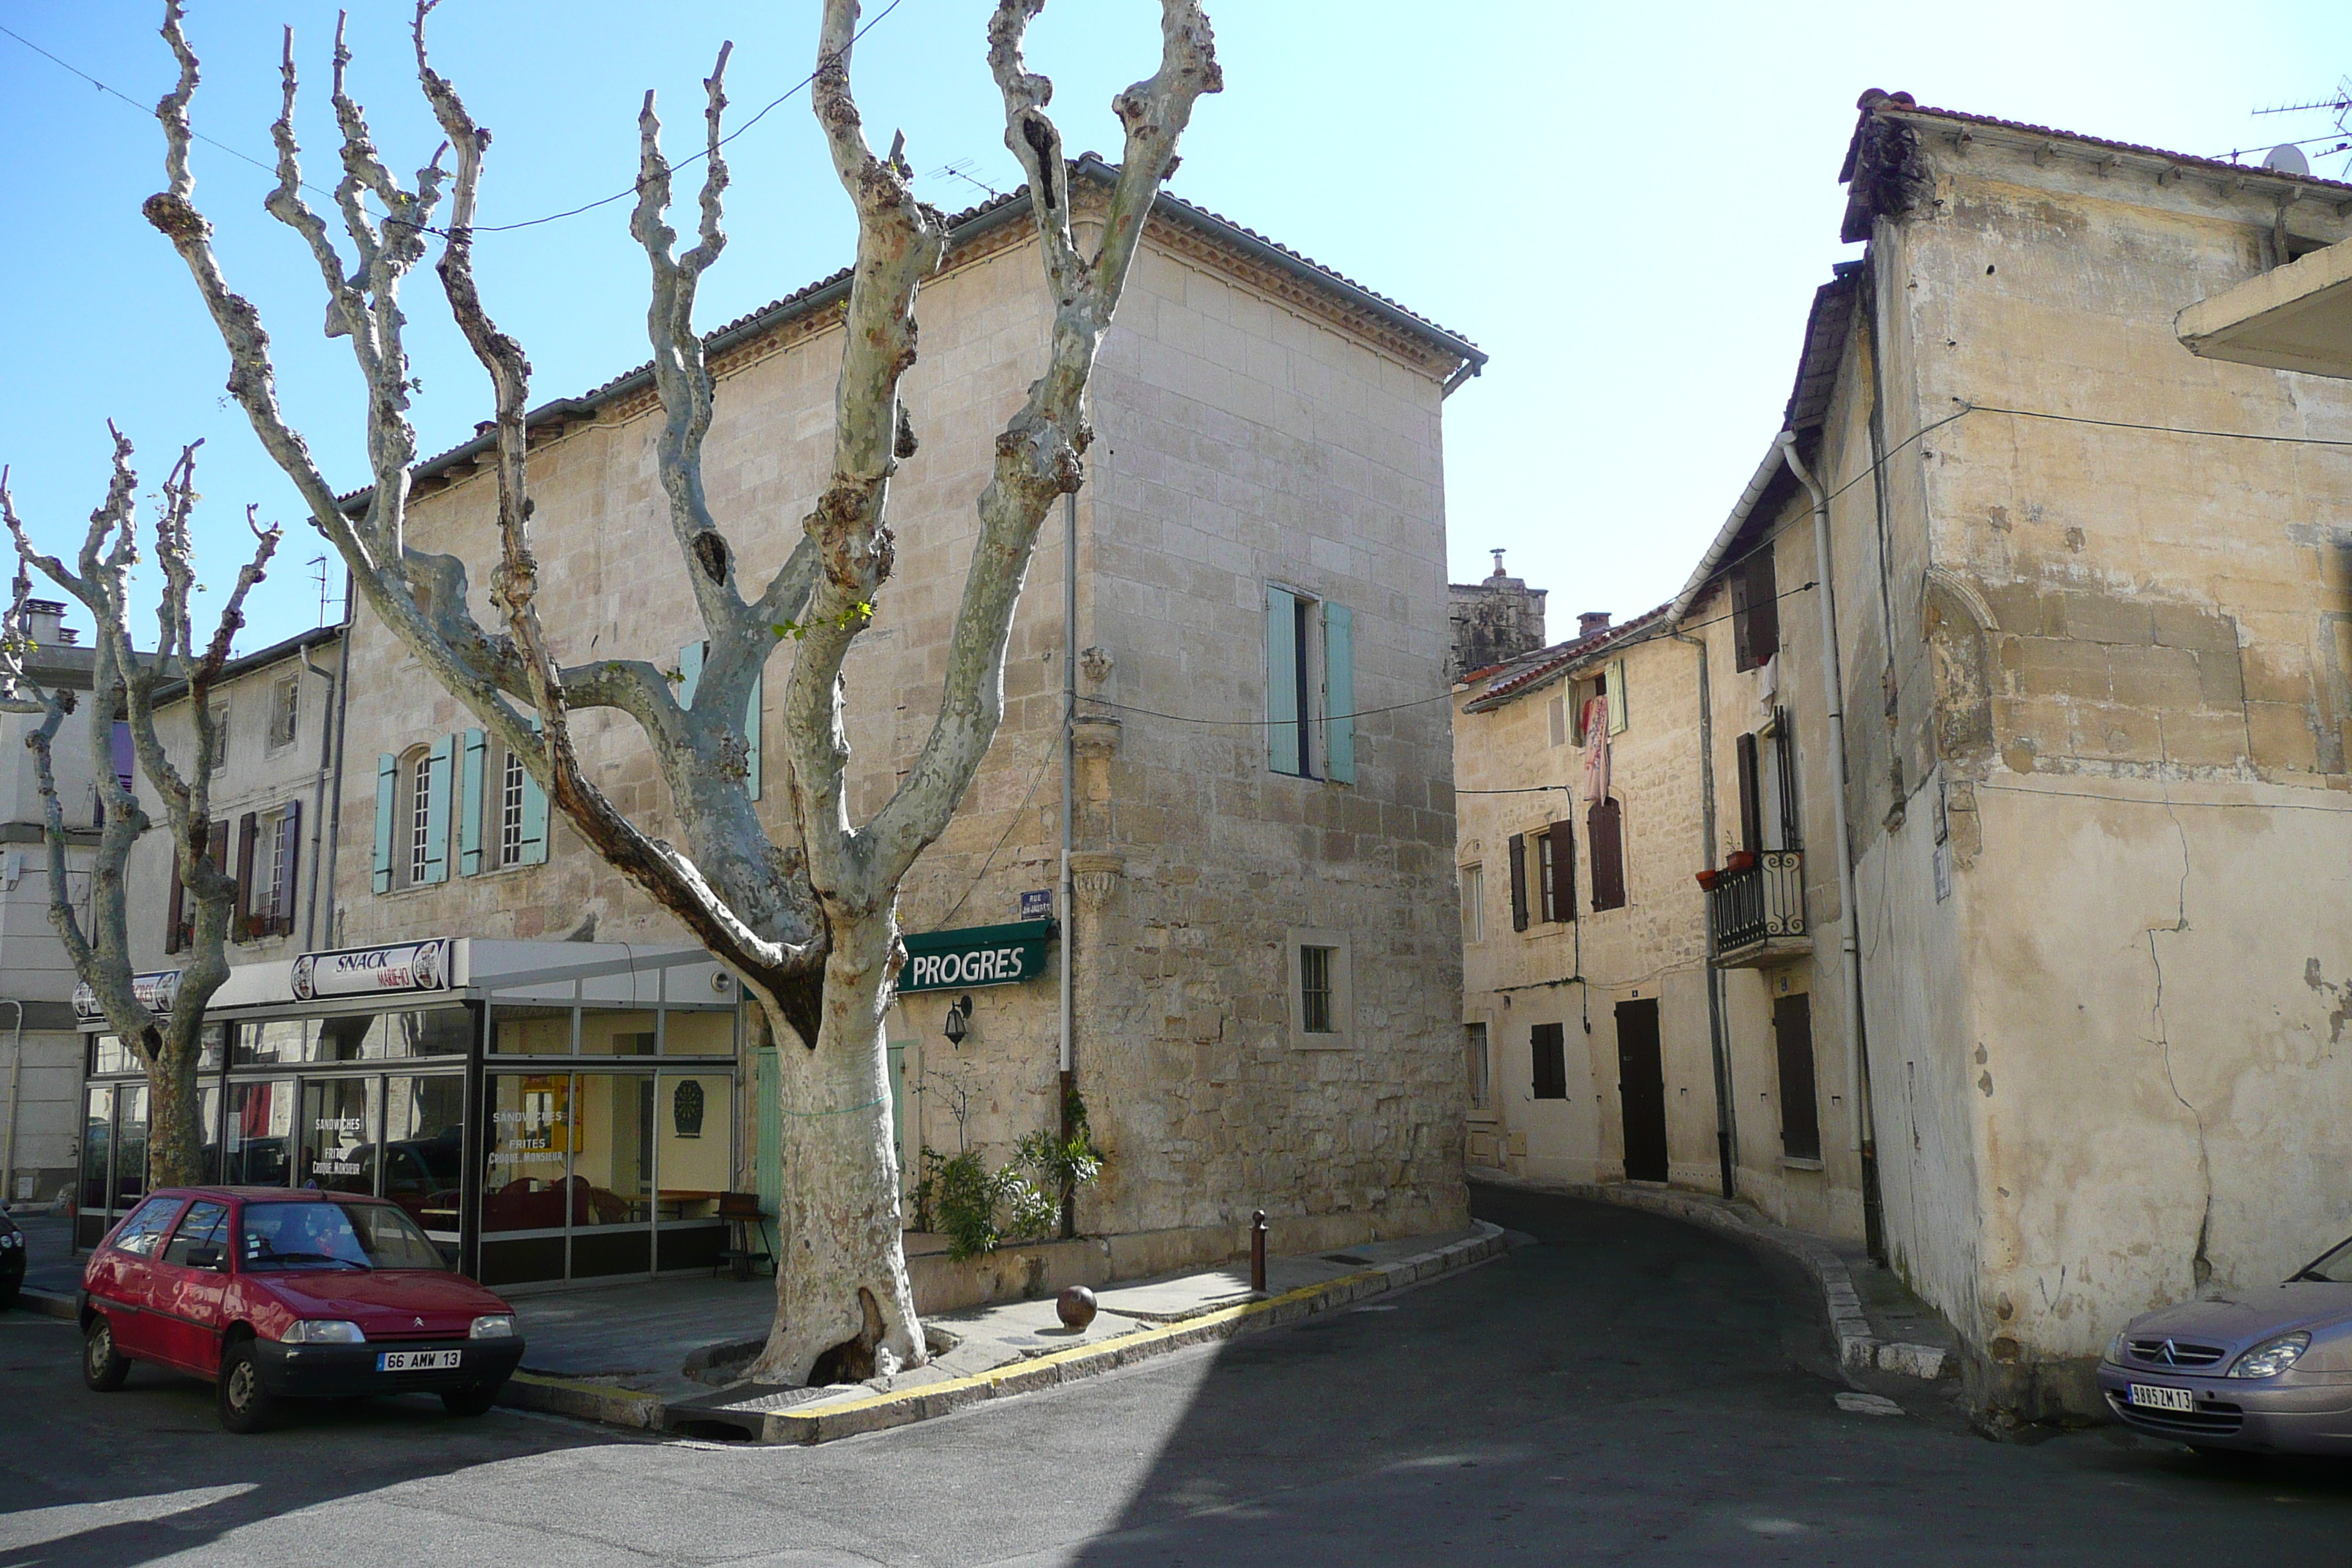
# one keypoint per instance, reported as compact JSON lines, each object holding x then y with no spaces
{"x":1726,"y":1129}
{"x":1758,"y":484}
{"x":1850,"y":915}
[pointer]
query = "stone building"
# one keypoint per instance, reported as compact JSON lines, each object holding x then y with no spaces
{"x":1494,"y":619}
{"x":2086,"y":740}
{"x":1266,"y":954}
{"x":41,"y":1137}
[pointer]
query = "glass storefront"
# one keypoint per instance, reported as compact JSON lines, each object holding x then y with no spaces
{"x":535,"y":1140}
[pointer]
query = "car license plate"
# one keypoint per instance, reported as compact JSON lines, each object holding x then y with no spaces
{"x":2148,"y":1396}
{"x":420,"y":1360}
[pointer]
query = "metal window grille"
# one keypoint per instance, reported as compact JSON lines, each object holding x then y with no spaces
{"x":1475,"y":1038}
{"x":420,"y":808}
{"x":1315,"y":990}
{"x":511,"y":782}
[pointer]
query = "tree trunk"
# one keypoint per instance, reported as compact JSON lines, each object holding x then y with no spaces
{"x":845,"y":1311}
{"x":176,"y":1138}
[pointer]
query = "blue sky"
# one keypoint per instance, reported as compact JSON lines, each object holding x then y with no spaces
{"x":1627,"y":206}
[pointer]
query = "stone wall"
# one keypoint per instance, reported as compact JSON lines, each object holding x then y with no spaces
{"x":1243,"y":438}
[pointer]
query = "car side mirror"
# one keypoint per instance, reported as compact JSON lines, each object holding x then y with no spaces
{"x":206,"y":1258}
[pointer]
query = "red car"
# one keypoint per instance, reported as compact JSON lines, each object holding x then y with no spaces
{"x":273,"y":1294}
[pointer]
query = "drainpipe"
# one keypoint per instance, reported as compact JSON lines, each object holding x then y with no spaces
{"x":1068,"y":899}
{"x":326,"y":825}
{"x":1725,"y":1134}
{"x":16,"y":1093}
{"x":1848,"y":945}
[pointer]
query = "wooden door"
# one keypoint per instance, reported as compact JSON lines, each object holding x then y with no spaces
{"x":1641,"y":1090}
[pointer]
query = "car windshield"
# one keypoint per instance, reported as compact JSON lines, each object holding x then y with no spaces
{"x":2335,"y":1268}
{"x":334,"y":1236}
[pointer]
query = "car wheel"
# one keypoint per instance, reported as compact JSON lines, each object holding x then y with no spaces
{"x":245,"y":1405}
{"x":474,"y":1401}
{"x":103,"y":1367}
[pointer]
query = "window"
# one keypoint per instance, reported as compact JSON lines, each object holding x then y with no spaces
{"x":1784,"y":772}
{"x":206,"y":1224}
{"x":1549,"y":1045}
{"x":420,"y":819}
{"x":181,"y":931}
{"x":1518,"y":881}
{"x":268,"y":848}
{"x":1310,"y":687}
{"x":1321,"y":1006}
{"x":1556,"y":873}
{"x":1604,"y":828}
{"x":1474,"y":1043}
{"x":1793,"y":1035}
{"x":284,"y":712}
{"x":413,"y":801}
{"x":126,"y":756}
{"x":1474,"y":903}
{"x":143,"y":1231}
{"x":512,"y":779}
{"x":1751,"y":796}
{"x":1755,"y":610}
{"x":220,"y":735}
{"x":1315,"y":990}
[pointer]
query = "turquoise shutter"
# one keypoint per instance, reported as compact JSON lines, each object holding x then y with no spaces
{"x":1281,"y":680}
{"x":1339,"y":692}
{"x":387,"y":791}
{"x":469,"y":803}
{"x":751,"y":729}
{"x":689,"y":672}
{"x":437,"y":813}
{"x":532,"y":851}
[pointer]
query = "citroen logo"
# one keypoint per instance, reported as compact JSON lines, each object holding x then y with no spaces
{"x":2170,"y":1359}
{"x":420,"y":1323}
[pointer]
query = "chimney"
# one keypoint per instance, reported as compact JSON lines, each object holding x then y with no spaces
{"x":42,"y":619}
{"x":1591,"y":623}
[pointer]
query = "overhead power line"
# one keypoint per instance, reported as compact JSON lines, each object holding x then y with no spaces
{"x":271,"y":168}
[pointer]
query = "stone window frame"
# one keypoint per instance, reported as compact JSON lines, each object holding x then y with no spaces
{"x":1342,"y":1033}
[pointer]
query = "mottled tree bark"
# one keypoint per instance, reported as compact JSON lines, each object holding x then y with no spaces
{"x":123,"y":680}
{"x":810,"y":926}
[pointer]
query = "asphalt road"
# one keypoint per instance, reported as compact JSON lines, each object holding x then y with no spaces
{"x":1628,"y":1390}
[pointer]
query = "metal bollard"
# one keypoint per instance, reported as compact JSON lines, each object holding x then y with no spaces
{"x":1257,"y":1252}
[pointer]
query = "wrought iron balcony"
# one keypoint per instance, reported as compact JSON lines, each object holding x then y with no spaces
{"x":1758,"y":910}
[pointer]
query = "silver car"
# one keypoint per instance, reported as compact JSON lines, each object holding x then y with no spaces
{"x":2267,"y":1371}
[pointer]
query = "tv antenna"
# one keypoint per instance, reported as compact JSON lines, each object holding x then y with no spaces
{"x":319,"y":570}
{"x":961,"y":169}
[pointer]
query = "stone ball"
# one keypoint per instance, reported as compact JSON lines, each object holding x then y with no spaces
{"x":1077,"y":1307}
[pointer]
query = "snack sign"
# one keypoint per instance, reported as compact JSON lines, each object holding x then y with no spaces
{"x":370,"y":971}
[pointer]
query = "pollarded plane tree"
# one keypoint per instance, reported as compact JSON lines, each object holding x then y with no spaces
{"x":164,"y":1033}
{"x":808,"y":925}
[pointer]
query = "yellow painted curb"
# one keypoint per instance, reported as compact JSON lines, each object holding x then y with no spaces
{"x":879,"y":1412}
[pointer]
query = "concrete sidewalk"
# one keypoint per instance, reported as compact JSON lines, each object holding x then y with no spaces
{"x":647,"y":1354}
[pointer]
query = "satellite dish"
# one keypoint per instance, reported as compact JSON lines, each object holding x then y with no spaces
{"x":2286,"y":158}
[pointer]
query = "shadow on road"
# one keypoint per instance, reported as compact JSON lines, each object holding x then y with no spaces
{"x":1633,"y":1387}
{"x":111,"y":1481}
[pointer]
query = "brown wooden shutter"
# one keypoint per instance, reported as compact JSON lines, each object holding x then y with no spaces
{"x":1751,"y":797}
{"x":1563,"y":870}
{"x":290,"y":850}
{"x":175,"y":929}
{"x":1518,"y":881}
{"x":241,"y":921}
{"x":1604,"y":827}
